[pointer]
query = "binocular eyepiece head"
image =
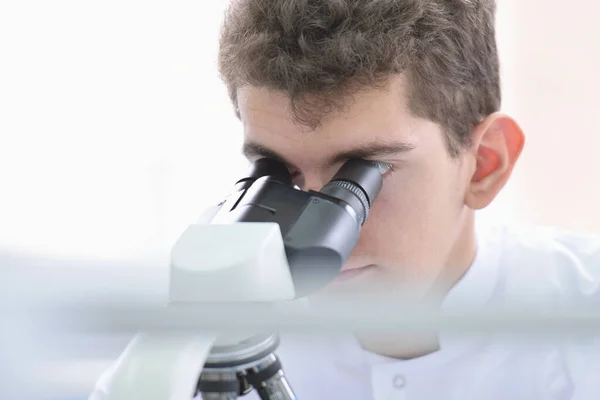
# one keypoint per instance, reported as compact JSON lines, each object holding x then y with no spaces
{"x":357,"y":182}
{"x":319,"y":229}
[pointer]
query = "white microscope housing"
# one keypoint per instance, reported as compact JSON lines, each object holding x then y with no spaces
{"x":268,"y":242}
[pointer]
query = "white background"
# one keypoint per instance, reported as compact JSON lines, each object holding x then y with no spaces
{"x":115,"y":131}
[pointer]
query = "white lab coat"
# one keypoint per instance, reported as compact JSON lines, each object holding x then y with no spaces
{"x":515,"y":265}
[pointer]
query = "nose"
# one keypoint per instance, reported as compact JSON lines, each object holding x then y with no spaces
{"x":315,"y":178}
{"x":310,"y":182}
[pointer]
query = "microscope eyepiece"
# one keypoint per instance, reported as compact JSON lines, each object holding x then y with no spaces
{"x":266,"y":167}
{"x":358,"y":183}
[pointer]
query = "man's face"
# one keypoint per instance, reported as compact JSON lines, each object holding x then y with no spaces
{"x":417,"y":220}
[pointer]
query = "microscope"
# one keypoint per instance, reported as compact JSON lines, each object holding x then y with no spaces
{"x":268,"y":242}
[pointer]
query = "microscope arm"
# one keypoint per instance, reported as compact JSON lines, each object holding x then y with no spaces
{"x":156,"y":366}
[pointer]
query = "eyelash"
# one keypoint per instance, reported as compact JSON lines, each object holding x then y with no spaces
{"x":385,"y":168}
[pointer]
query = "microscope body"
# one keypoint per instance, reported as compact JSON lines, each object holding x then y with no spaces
{"x":268,"y":242}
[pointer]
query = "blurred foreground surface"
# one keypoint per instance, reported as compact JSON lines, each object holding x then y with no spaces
{"x":64,"y":321}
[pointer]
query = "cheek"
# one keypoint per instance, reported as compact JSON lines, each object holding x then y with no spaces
{"x":411,"y":216}
{"x":393,"y":222}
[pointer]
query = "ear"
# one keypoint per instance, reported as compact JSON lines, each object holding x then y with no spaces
{"x":497,"y":144}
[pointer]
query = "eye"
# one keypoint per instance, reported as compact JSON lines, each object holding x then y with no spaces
{"x":385,"y":168}
{"x":297,"y":178}
{"x":294,"y":173}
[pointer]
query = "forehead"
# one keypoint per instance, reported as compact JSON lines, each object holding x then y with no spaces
{"x":373,"y":115}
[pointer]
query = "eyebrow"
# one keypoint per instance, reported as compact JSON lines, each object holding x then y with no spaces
{"x":253,"y":149}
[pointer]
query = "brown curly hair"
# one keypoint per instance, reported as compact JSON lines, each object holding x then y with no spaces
{"x":320,"y":52}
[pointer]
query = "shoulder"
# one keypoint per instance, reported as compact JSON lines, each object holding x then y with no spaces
{"x":547,"y":262}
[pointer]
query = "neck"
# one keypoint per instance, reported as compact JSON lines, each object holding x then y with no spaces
{"x":459,"y":261}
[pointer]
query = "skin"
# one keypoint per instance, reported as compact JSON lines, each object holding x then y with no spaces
{"x":419,"y":237}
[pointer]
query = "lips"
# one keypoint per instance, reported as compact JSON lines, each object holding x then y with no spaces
{"x":352,"y":273}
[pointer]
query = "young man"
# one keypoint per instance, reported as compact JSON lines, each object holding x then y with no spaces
{"x":413,"y":84}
